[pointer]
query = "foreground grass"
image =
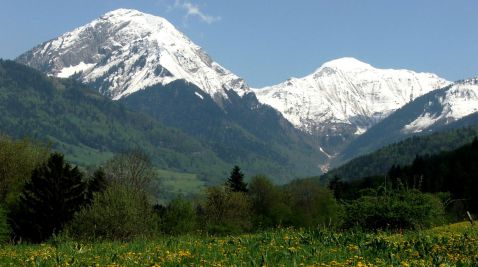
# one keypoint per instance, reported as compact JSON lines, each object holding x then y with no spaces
{"x":454,"y":245}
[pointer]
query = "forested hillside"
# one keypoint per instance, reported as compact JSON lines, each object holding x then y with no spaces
{"x":450,"y":175}
{"x":89,"y":128}
{"x":241,"y":131}
{"x":403,"y":153}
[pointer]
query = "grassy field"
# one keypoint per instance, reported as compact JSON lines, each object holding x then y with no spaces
{"x":177,"y":183}
{"x":454,"y":245}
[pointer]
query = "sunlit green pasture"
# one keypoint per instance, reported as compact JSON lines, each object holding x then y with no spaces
{"x":454,"y":245}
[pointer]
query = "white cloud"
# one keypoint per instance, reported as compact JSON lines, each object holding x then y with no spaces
{"x":193,"y":10}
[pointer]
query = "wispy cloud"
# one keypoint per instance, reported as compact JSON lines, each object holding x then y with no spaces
{"x":190,"y":9}
{"x":193,"y":10}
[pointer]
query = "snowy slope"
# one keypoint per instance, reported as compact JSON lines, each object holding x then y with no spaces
{"x":346,"y":92}
{"x":453,"y":106}
{"x":125,"y":51}
{"x":454,"y":103}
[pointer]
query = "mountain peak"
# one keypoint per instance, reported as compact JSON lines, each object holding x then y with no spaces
{"x":345,"y":97}
{"x":138,"y":18}
{"x":126,"y":50}
{"x":123,"y":12}
{"x":346,"y":64}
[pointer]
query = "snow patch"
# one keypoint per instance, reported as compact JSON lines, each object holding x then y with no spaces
{"x":424,"y":121}
{"x":458,"y":101}
{"x":360,"y":131}
{"x":69,"y":71}
{"x":199,"y":95}
{"x":322,"y":150}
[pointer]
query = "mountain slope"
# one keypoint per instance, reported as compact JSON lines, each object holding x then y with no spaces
{"x":403,"y":153}
{"x":438,"y":110}
{"x":89,"y":127}
{"x":242,"y":132}
{"x":125,"y":51}
{"x":345,"y":97}
{"x":454,"y":172}
{"x":145,"y":63}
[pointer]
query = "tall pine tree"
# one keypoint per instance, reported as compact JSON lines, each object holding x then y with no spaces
{"x":49,"y":200}
{"x":235,"y":182}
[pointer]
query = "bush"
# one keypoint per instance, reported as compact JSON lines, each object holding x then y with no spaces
{"x":226,"y":212}
{"x":4,"y":229}
{"x":268,"y":202}
{"x":179,"y":217}
{"x":312,"y":204}
{"x":118,"y":213}
{"x":399,"y":209}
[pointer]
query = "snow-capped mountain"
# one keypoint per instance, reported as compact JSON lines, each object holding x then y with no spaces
{"x":446,"y":106}
{"x":126,"y":50}
{"x":346,"y":95}
{"x":453,"y":106}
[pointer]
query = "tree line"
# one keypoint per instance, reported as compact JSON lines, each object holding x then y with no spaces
{"x":451,"y":176}
{"x":42,"y":195}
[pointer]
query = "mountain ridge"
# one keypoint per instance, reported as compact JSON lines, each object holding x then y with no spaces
{"x":346,"y":96}
{"x":225,"y":115}
{"x":432,"y":112}
{"x":126,"y":50}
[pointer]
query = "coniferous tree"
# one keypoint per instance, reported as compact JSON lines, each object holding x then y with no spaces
{"x":98,"y":183}
{"x":235,"y":182}
{"x":49,"y":200}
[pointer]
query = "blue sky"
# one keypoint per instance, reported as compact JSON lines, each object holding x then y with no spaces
{"x":268,"y":41}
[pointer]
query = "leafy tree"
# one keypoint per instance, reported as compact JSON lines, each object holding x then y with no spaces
{"x":235,"y":182}
{"x":312,"y":204}
{"x":49,"y":200}
{"x":268,"y":202}
{"x":132,"y":169}
{"x":118,"y":213}
{"x":226,"y":212}
{"x":18,"y":158}
{"x":179,"y":217}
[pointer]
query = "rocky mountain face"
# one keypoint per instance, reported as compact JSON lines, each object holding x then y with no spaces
{"x":146,"y":64}
{"x":345,"y":97}
{"x":453,"y":106}
{"x":445,"y":106}
{"x":125,"y":51}
{"x":295,"y":127}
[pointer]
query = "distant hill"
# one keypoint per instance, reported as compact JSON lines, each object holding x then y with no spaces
{"x":404,"y":152}
{"x":89,"y":128}
{"x":455,"y":172}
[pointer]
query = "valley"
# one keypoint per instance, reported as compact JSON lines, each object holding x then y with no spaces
{"x":125,"y":143}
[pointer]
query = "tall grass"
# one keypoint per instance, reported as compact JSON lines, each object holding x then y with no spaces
{"x":450,"y":246}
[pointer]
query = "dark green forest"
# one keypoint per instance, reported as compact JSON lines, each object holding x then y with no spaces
{"x":402,"y":153}
{"x":450,"y":175}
